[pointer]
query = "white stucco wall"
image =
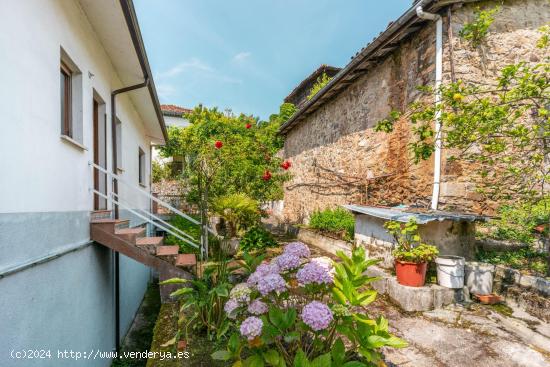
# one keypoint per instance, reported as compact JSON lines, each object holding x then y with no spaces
{"x":40,"y":171}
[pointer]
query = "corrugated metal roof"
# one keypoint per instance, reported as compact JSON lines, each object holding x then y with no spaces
{"x":403,"y":215}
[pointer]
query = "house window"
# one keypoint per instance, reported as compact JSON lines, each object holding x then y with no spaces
{"x":71,"y":101}
{"x":65,"y":87}
{"x":141,"y":167}
{"x":119,"y":145}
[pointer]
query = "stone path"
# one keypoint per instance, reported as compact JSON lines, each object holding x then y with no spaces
{"x":472,"y":335}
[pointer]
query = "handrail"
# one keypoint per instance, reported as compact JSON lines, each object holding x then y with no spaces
{"x":157,"y":200}
{"x":145,"y":218}
{"x":159,"y":219}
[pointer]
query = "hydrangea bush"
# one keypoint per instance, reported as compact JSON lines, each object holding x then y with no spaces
{"x":298,"y":311}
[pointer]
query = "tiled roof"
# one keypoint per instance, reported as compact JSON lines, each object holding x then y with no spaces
{"x":329,"y":70}
{"x":173,"y":110}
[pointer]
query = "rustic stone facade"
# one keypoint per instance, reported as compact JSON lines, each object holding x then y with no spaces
{"x":338,"y":158}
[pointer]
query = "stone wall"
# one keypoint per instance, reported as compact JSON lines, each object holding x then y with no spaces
{"x":337,"y":158}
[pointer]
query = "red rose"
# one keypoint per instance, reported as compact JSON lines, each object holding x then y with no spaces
{"x":218,"y":144}
{"x":266,"y":176}
{"x":286,"y":165}
{"x":248,"y":126}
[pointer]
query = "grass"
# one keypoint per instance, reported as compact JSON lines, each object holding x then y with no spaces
{"x":338,"y":222}
{"x":525,"y":259}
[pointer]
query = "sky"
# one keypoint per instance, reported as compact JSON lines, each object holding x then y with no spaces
{"x":248,"y":55}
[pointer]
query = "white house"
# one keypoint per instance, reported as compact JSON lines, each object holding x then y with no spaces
{"x":173,"y":116}
{"x":76,"y":87}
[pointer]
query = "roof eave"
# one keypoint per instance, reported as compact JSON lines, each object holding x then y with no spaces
{"x":135,"y":33}
{"x":357,"y":60}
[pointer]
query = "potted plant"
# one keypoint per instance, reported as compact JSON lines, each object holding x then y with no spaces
{"x":411,"y":255}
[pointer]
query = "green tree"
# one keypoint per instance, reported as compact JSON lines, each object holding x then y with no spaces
{"x":228,"y":154}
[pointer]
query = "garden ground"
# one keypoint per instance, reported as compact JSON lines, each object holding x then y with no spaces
{"x":458,"y":335}
{"x":465,"y":335}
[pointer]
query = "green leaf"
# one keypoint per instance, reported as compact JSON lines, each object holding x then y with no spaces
{"x":174,"y":281}
{"x":234,"y":342}
{"x":300,"y":359}
{"x":276,"y":317}
{"x":354,"y":364}
{"x":221,"y":291}
{"x":272,"y":357}
{"x":323,"y":360}
{"x":255,"y":360}
{"x":181,"y":292}
{"x":221,"y":355}
{"x":288,"y":318}
{"x":338,"y":352}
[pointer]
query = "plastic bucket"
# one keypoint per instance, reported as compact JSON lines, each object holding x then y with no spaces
{"x":450,"y":271}
{"x":479,"y":278}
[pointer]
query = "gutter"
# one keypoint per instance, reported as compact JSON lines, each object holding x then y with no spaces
{"x":438,"y":76}
{"x":135,"y":33}
{"x":133,"y":27}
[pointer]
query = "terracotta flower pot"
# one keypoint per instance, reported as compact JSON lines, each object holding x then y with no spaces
{"x":411,"y":274}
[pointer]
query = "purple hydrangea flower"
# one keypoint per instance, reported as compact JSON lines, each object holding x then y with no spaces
{"x":299,"y":249}
{"x":261,"y":271}
{"x":287,"y":261}
{"x":314,"y":273}
{"x":251,"y":327}
{"x":271,"y":282}
{"x":317,"y":315}
{"x":257,"y":307}
{"x":230,"y":306}
{"x":241,"y":293}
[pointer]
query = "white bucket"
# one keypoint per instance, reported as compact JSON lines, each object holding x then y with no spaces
{"x":450,"y":271}
{"x":479,"y":277}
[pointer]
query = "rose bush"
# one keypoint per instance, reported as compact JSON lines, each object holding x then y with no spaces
{"x":297,"y":311}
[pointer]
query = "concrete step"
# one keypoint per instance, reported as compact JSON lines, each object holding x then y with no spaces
{"x":185,"y":260}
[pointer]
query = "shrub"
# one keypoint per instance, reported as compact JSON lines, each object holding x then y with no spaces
{"x":238,"y":211}
{"x":522,"y":259}
{"x":516,"y":222}
{"x":409,"y":244}
{"x":296,"y":311}
{"x":318,"y":85}
{"x":186,"y":226}
{"x":257,"y":238}
{"x":202,"y":301}
{"x":338,"y":221}
{"x":160,"y":171}
{"x":475,"y":31}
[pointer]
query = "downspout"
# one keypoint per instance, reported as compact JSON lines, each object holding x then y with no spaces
{"x":438,"y":76}
{"x":115,"y":190}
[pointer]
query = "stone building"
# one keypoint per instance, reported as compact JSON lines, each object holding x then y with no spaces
{"x":298,"y":96}
{"x":337,"y":157}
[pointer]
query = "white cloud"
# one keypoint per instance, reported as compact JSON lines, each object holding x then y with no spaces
{"x":191,"y":70}
{"x":192,"y":64}
{"x":165,"y":90}
{"x":241,"y":56}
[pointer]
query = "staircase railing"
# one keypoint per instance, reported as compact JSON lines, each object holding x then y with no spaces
{"x":169,"y":228}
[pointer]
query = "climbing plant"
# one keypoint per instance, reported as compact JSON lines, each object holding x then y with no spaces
{"x":475,"y":31}
{"x":318,"y":85}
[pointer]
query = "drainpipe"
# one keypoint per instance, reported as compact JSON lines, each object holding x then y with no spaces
{"x":115,"y":190}
{"x":438,"y":76}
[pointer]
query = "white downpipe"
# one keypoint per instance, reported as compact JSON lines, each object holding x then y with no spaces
{"x":438,"y":77}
